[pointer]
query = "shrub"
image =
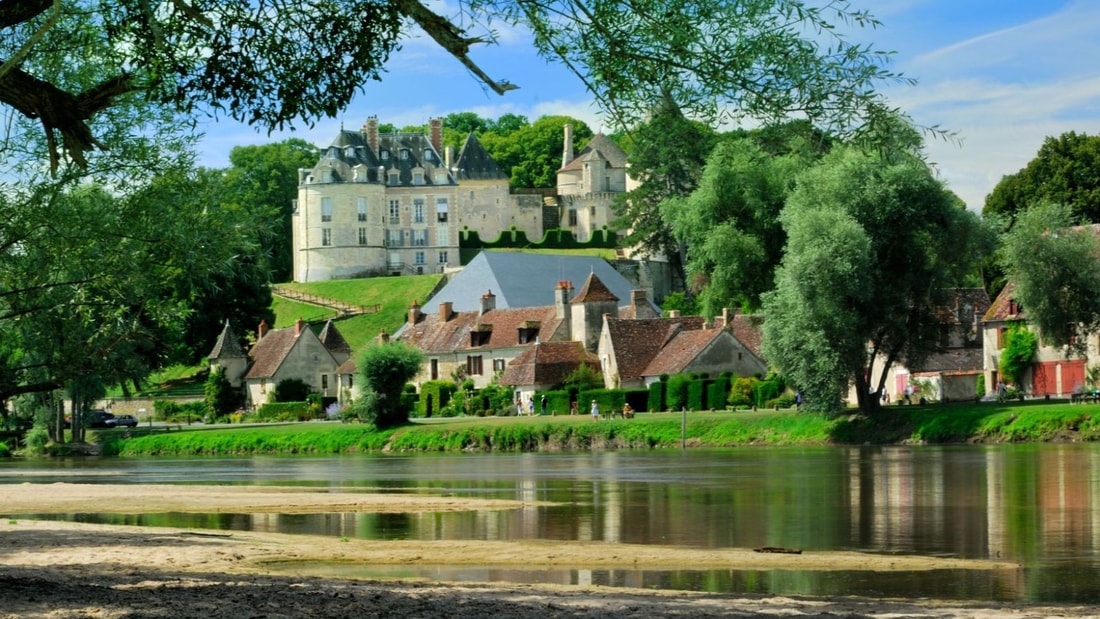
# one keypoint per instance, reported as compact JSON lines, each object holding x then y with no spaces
{"x":37,"y":439}
{"x":696,"y":394}
{"x":741,"y":392}
{"x":221,"y":398}
{"x":676,"y":397}
{"x":292,"y":390}
{"x":435,"y":395}
{"x":385,"y":369}
{"x":717,"y":392}
{"x":656,"y":400}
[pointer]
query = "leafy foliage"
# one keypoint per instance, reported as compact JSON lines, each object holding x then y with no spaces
{"x":221,"y":398}
{"x":384,"y":369}
{"x":1017,"y":352}
{"x":291,"y":390}
{"x":1066,"y":171}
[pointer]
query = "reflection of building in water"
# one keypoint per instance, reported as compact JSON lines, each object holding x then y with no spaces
{"x":882,"y":497}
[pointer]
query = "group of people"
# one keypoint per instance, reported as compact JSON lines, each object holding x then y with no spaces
{"x":628,"y":412}
{"x":530,"y":409}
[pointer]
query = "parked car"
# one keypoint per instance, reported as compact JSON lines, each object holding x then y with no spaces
{"x":122,"y":421}
{"x":97,"y":419}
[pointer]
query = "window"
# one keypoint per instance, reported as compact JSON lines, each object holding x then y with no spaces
{"x":434,"y":369}
{"x":442,"y":257}
{"x":418,"y":178}
{"x":326,"y":209}
{"x":442,"y":236}
{"x":528,"y":334}
{"x":394,"y":238}
{"x":1071,"y":334}
{"x":419,"y":257}
{"x":573,"y":217}
{"x":395,"y":177}
{"x":385,"y":155}
{"x":473,"y":365}
{"x":592,"y":211}
{"x":418,"y":211}
{"x":395,"y":211}
{"x":362,"y":236}
{"x":394,"y":261}
{"x":404,"y":153}
{"x":326,"y":237}
{"x":420,"y":238}
{"x":324,"y":381}
{"x":441,"y":209}
{"x":498,"y":365}
{"x":361,"y":208}
{"x":1001,"y":332}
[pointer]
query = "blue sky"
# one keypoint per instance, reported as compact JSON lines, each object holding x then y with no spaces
{"x":1002,"y":74}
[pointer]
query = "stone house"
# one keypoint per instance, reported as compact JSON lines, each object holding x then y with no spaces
{"x":295,"y":352}
{"x":588,"y":182}
{"x":1055,"y":371}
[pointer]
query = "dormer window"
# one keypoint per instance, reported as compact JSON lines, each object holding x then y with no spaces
{"x":404,"y":153}
{"x":528,"y":333}
{"x":427,"y":154}
{"x":385,"y":154}
{"x":1014,"y":307}
{"x":479,"y":335}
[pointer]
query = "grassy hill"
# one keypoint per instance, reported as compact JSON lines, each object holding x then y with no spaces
{"x":393,"y":294}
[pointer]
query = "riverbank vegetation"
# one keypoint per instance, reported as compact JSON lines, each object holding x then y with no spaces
{"x":952,"y":423}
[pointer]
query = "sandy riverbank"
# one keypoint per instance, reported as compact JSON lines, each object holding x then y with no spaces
{"x":61,"y":569}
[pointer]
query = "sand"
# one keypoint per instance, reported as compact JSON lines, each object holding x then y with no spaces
{"x":65,"y":569}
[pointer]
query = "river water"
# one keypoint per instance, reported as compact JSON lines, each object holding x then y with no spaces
{"x":1037,"y":505}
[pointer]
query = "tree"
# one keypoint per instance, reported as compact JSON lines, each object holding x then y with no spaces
{"x":384,"y":370}
{"x":1020,"y":345}
{"x":666,"y":160}
{"x":1066,"y":170}
{"x":263,"y":180}
{"x":275,"y":64}
{"x":291,"y":390}
{"x":873,"y":243}
{"x":730,"y":222}
{"x":532,"y":155}
{"x":1054,"y":269}
{"x":220,"y":396}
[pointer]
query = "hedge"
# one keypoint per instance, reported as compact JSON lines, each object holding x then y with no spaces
{"x":438,"y":392}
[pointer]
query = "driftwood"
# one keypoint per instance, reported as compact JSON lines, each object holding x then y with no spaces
{"x":786,"y":551}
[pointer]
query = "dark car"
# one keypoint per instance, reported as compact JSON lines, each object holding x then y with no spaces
{"x":97,"y":419}
{"x":122,"y":421}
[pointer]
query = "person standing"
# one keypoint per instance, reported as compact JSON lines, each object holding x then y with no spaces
{"x":542,"y":404}
{"x":531,"y":406}
{"x":595,"y":411}
{"x":573,"y":407}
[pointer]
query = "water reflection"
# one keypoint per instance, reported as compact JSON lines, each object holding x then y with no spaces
{"x":1033,"y":504}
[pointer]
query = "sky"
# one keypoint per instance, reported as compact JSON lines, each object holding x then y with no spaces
{"x":1001,"y":75}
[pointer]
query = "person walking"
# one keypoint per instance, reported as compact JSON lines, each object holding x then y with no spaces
{"x":542,"y":403}
{"x":595,"y":411}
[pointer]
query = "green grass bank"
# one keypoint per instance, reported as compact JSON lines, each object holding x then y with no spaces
{"x":956,"y":423}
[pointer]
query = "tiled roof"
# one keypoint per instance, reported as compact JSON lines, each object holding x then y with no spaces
{"x":268,"y":353}
{"x":953,"y":360}
{"x":594,"y":291}
{"x":437,"y":337}
{"x":1002,"y":306}
{"x":637,"y":342}
{"x":681,"y":350}
{"x":348,"y":367}
{"x":227,"y":346}
{"x":600,"y":146}
{"x":747,"y":329}
{"x":332,"y":339}
{"x":547,"y":363}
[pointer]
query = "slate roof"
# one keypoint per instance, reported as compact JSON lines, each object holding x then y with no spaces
{"x":599,"y":147}
{"x":332,"y":339}
{"x":434,"y":336}
{"x":475,"y":163}
{"x":953,"y":360}
{"x":548,"y":363}
{"x":227,"y":346}
{"x":523,"y":280}
{"x":351,"y":149}
{"x":680,"y":350}
{"x":637,"y":342}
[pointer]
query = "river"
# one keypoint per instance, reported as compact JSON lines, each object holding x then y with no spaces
{"x":1036,"y":505}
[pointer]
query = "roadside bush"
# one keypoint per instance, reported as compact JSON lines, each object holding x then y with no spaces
{"x":292,"y":390}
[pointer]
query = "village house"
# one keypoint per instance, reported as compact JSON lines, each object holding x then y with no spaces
{"x":295,"y":352}
{"x":1054,"y":372}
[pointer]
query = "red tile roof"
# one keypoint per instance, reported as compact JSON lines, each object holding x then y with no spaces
{"x":1002,"y":307}
{"x":680,"y":351}
{"x":270,"y":352}
{"x":594,"y":291}
{"x":434,"y":336}
{"x":547,"y":363}
{"x":636,"y":342}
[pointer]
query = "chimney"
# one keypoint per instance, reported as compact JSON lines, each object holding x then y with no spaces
{"x":371,"y":129}
{"x":567,"y":147}
{"x":727,"y":317}
{"x":298,"y":326}
{"x":637,"y":299}
{"x":262,"y":330}
{"x":562,"y":292}
{"x":436,"y":134}
{"x":673,"y":313}
{"x":488,"y":302}
{"x":445,"y":311}
{"x":449,"y":157}
{"x":414,"y":312}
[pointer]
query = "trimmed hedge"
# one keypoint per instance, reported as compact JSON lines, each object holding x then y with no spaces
{"x":557,"y":402}
{"x":655,"y":402}
{"x":284,"y":411}
{"x":438,"y":392}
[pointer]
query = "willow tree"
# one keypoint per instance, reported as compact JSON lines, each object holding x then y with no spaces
{"x":280,"y":62}
{"x":874,"y":242}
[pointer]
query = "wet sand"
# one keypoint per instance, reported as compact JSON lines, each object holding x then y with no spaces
{"x":63,"y":569}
